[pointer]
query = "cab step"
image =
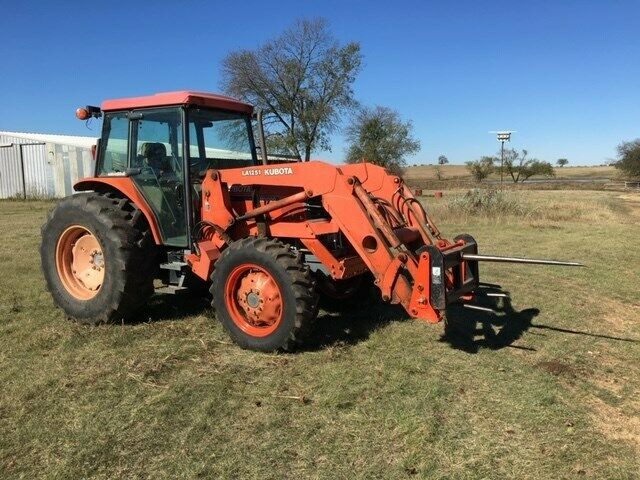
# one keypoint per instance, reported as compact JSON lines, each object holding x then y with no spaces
{"x":175,"y":266}
{"x":171,"y":289}
{"x":176,"y":274}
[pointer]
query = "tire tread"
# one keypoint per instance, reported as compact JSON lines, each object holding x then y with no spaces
{"x":300,"y":280}
{"x":136,"y":260}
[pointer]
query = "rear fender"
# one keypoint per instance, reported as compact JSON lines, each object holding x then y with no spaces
{"x":126,"y":187}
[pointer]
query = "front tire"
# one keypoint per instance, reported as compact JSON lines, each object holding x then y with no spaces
{"x":98,"y":257}
{"x":263,"y":294}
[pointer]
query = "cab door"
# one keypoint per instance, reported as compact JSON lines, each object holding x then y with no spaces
{"x":157,"y":166}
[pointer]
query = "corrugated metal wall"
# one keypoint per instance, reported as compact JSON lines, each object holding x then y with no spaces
{"x":10,"y":173}
{"x":70,"y":164}
{"x":50,"y":169}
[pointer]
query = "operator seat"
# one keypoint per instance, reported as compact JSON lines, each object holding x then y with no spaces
{"x":154,"y":155}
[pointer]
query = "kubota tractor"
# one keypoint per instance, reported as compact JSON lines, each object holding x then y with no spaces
{"x":182,"y":193}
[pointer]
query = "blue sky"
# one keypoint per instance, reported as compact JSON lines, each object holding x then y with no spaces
{"x":564,"y":74}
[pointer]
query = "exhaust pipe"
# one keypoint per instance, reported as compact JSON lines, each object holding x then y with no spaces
{"x":261,"y":138}
{"x":533,"y":261}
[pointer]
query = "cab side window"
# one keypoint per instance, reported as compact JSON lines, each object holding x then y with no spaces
{"x":116,"y":144}
{"x":159,"y":143}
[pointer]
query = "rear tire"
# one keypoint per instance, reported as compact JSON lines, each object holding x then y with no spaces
{"x":264,"y":295}
{"x":122,"y":247}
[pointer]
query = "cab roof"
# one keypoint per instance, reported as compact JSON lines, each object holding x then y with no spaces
{"x":200,"y":99}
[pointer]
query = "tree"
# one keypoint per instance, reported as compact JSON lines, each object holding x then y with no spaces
{"x":482,"y":168}
{"x":442,"y":160}
{"x":303,"y":82}
{"x":629,"y":158}
{"x":520,"y":168}
{"x":537,"y":167}
{"x":561,"y":162}
{"x":380,"y":136}
{"x":437,"y":170}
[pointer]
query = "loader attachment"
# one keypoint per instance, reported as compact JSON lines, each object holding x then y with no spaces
{"x":449,"y":274}
{"x":452,"y":277}
{"x":454,"y":270}
{"x":443,"y":276}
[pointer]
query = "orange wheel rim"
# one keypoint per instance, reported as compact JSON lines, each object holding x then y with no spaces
{"x":254,"y":300}
{"x":80,"y":262}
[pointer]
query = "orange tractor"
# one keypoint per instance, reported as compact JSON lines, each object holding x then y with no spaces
{"x":182,"y":194}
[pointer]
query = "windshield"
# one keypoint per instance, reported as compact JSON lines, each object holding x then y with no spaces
{"x":219,"y":140}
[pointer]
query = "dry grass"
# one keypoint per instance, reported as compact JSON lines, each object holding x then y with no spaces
{"x":459,"y":172}
{"x":548,"y":389}
{"x":543,"y":208}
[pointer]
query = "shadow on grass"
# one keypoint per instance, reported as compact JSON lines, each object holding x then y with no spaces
{"x":466,"y":330}
{"x":351,"y":324}
{"x":162,"y":308}
{"x":471,"y":330}
{"x":580,"y":332}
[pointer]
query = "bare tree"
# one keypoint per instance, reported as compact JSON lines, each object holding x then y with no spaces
{"x":380,"y":136}
{"x":302,"y":80}
{"x":520,"y":168}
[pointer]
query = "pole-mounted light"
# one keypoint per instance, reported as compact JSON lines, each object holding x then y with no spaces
{"x":503,"y":136}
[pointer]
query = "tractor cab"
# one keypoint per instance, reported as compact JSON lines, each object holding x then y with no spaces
{"x":167,"y":141}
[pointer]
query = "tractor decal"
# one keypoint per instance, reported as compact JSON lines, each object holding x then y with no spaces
{"x":267,"y":171}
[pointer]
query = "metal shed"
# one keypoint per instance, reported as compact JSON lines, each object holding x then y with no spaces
{"x":34,"y":165}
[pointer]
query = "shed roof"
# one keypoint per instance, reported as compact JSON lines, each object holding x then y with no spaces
{"x":72,"y":140}
{"x":202,"y":99}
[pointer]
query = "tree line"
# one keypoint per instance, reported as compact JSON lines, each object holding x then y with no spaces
{"x":517,"y":165}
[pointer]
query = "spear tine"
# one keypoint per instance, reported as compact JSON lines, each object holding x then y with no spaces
{"x":533,"y":261}
{"x":471,"y":306}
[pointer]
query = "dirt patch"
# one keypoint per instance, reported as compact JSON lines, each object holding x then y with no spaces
{"x":616,"y":425}
{"x":620,"y":316}
{"x":631,"y":197}
{"x":557,"y":368}
{"x":631,"y":202}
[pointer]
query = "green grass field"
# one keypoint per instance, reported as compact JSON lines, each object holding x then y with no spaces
{"x":548,"y":389}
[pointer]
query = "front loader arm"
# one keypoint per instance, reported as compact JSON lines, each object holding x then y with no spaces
{"x":359,"y":200}
{"x":390,"y":233}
